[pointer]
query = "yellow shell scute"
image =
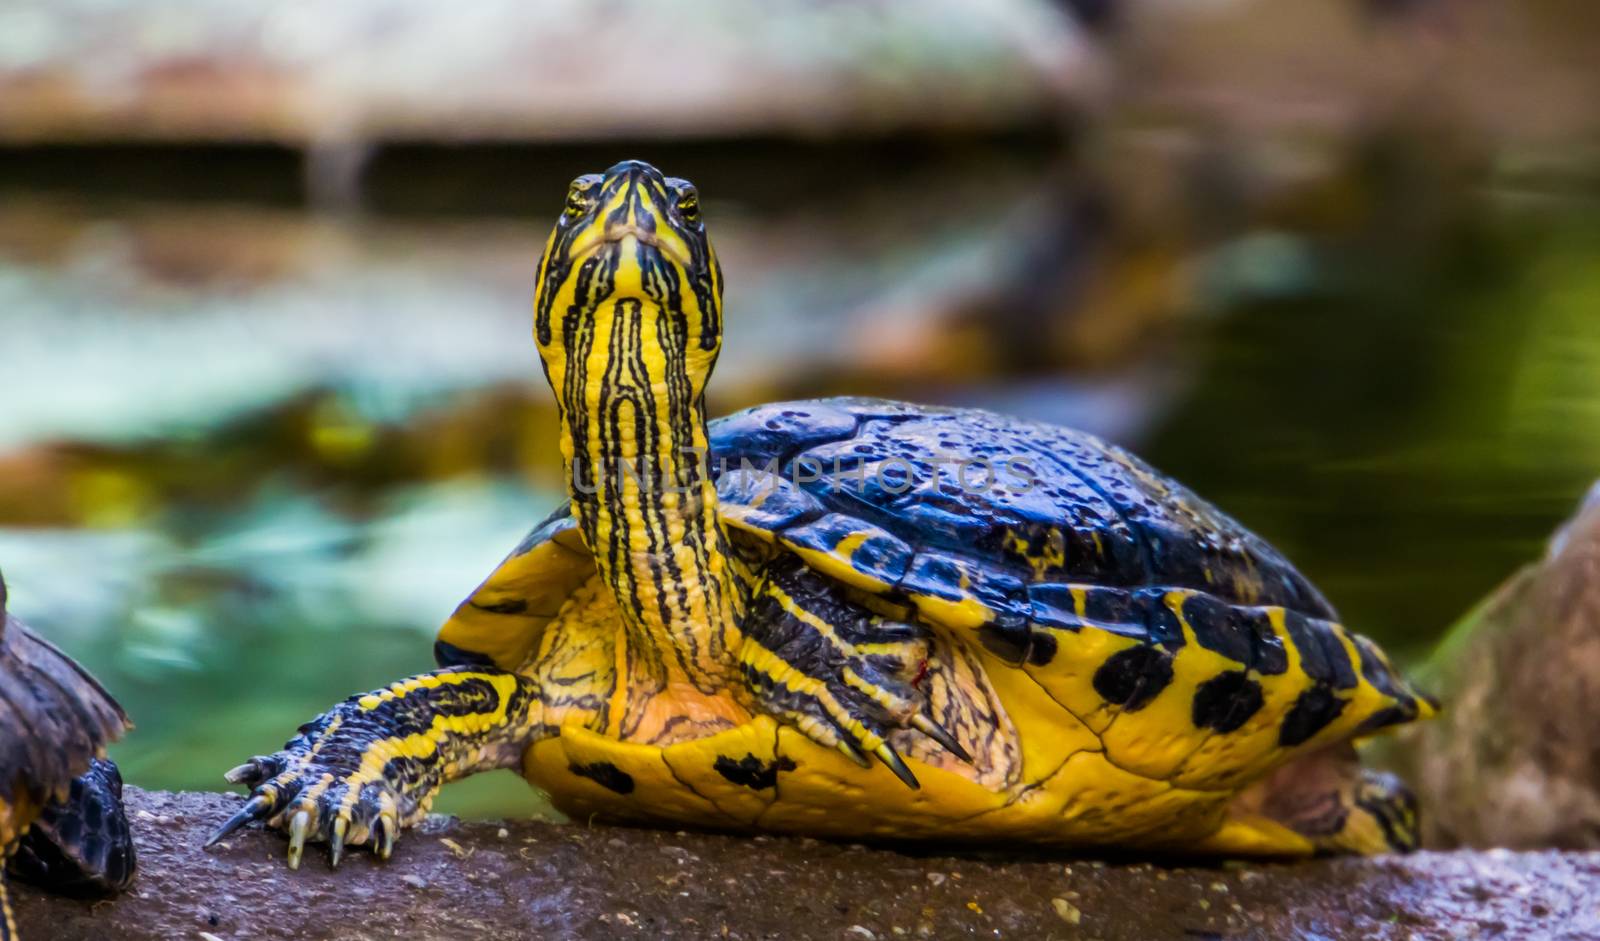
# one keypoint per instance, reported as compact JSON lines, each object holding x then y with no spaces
{"x":654,"y":793}
{"x":752,"y":745}
{"x":506,"y":616}
{"x":827,"y":794}
{"x":1158,"y":738}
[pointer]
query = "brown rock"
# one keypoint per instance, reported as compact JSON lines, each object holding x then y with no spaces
{"x":600,"y":882}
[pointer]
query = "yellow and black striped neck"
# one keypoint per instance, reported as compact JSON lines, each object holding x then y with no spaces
{"x":628,"y":320}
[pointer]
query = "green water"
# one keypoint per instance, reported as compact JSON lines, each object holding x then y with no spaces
{"x":251,"y":456}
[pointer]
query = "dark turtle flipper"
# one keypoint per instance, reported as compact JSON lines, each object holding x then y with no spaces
{"x":81,"y":844}
{"x":54,"y":719}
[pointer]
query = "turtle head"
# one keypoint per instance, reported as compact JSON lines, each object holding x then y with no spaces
{"x":628,"y":319}
{"x":628,"y":275}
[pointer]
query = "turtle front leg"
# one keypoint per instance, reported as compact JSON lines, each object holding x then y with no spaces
{"x":841,"y":674}
{"x":373,"y":764}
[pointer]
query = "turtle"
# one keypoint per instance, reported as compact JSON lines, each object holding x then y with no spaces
{"x":62,"y":823}
{"x":852,"y":618}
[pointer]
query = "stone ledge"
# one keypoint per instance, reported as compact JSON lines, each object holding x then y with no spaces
{"x":536,"y":879}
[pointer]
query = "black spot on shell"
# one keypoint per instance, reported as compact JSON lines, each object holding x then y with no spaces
{"x":1043,"y":649}
{"x":1322,"y":656}
{"x":1132,"y":678}
{"x":1310,"y":714}
{"x":750,"y":772}
{"x":1376,"y":671}
{"x":1270,"y":657}
{"x":1010,"y":643}
{"x":1227,"y":701}
{"x":1220,"y":627}
{"x":605,"y":774}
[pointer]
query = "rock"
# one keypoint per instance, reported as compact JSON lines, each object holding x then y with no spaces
{"x":575,"y":881}
{"x":1513,"y":759}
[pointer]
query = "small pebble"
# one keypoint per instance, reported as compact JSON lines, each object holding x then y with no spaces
{"x":1069,"y":912}
{"x":861,"y":931}
{"x":502,"y":833}
{"x":936,"y":878}
{"x":1221,"y":887}
{"x":414,"y":880}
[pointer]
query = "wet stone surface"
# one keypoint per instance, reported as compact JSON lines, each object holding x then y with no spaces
{"x":497,"y":880}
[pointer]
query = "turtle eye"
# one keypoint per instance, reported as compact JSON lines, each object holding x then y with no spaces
{"x":688,"y":201}
{"x":581,"y":197}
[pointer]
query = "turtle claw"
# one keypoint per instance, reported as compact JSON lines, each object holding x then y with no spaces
{"x":850,"y":750}
{"x":892,"y":758}
{"x":257,"y":808}
{"x":254,"y":771}
{"x":941,"y":735}
{"x":298,"y":826}
{"x":336,"y":841}
{"x":383,"y":836}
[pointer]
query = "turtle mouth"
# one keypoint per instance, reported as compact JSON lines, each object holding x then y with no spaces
{"x":616,"y":234}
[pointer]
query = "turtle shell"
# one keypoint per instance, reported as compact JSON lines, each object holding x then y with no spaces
{"x":1191,"y":648}
{"x":991,"y":521}
{"x":54,"y":719}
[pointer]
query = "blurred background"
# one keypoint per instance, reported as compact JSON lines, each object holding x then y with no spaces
{"x":269,"y":406}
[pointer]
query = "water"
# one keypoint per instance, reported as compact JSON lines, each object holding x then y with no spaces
{"x":252,"y":455}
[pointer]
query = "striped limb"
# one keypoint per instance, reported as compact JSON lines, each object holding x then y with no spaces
{"x":373,"y":764}
{"x":8,"y":923}
{"x":841,"y":674}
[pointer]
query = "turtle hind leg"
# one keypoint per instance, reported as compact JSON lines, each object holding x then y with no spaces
{"x":1383,"y":817}
{"x":836,"y":671}
{"x":1323,"y":802}
{"x":81,"y":844}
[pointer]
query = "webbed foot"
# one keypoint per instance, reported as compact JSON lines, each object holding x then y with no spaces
{"x":839,"y":673}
